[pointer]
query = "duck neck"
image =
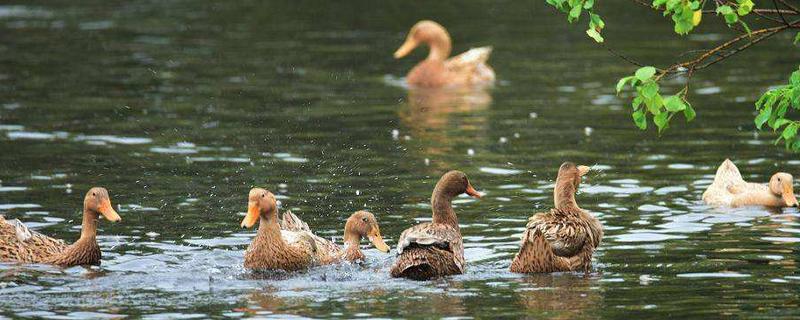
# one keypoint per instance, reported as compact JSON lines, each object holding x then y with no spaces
{"x":351,"y":244}
{"x":269,"y":231}
{"x":440,"y":48}
{"x":564,"y":195}
{"x":89,"y":226}
{"x":442,"y":206}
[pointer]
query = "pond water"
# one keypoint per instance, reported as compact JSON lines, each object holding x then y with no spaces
{"x":178,"y":108}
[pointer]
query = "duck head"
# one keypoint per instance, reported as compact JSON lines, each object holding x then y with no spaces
{"x":430,"y":33}
{"x":363,"y":224}
{"x":98,"y":202}
{"x":454,"y":183}
{"x":260,"y":202}
{"x":782,"y":185}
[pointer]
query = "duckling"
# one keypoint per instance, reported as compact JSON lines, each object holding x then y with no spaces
{"x":729,"y":189}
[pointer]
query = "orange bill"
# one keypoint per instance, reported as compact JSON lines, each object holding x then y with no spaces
{"x":252,"y":215}
{"x":472,"y":192}
{"x":583,"y":170}
{"x":376,"y":239}
{"x":788,"y":195}
{"x":406,"y":48}
{"x":108,"y":211}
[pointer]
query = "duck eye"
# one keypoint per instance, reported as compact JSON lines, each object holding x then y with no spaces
{"x":264,"y":195}
{"x":364,"y":219}
{"x":93,"y":194}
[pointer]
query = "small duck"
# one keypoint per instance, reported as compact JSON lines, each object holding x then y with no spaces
{"x":290,"y":245}
{"x":564,"y":238}
{"x":20,"y":244}
{"x":466,"y":69}
{"x":435,"y":248}
{"x":729,"y":189}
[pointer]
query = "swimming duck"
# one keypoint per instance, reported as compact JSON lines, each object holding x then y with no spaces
{"x":729,"y":189}
{"x":290,"y":245}
{"x":435,"y":248}
{"x":466,"y":69}
{"x":20,"y":244}
{"x":564,"y":238}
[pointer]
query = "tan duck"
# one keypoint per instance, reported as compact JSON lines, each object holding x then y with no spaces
{"x":20,"y":244}
{"x":564,"y":238}
{"x":729,"y":189}
{"x":435,"y":248}
{"x":466,"y":69}
{"x":290,"y":245}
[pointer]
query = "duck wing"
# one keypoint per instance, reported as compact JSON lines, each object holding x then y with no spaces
{"x":297,"y":233}
{"x":19,"y":243}
{"x":435,"y":235}
{"x":471,"y":66}
{"x":565,"y":235}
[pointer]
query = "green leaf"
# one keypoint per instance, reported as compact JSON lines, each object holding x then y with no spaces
{"x":649,"y":90}
{"x":797,"y":38}
{"x":621,"y":83}
{"x":575,"y":13}
{"x":645,"y":73}
{"x":763,"y":116}
{"x":640,"y":119}
{"x":661,"y":120}
{"x":588,"y":4}
{"x":636,"y":103}
{"x":790,"y":131}
{"x":689,"y":113}
{"x":674,"y":104}
{"x":595,"y":35}
{"x":745,"y":6}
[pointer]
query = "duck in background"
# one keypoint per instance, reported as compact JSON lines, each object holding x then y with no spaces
{"x":20,"y":244}
{"x":290,"y":245}
{"x":466,"y":69}
{"x":729,"y":189}
{"x":435,"y":248}
{"x":563,"y":239}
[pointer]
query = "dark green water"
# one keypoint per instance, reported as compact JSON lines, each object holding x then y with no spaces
{"x":179,"y":108}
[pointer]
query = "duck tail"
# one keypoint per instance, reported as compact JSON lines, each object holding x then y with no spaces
{"x":727,"y":174}
{"x":291,"y":222}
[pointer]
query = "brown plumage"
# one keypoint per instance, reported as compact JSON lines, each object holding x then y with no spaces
{"x":435,"y":249}
{"x":290,"y":245}
{"x":466,"y":69}
{"x":20,"y":244}
{"x":564,"y":238}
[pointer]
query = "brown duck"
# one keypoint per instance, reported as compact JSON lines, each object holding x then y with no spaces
{"x":435,"y":249}
{"x":290,"y":245}
{"x":20,"y":244}
{"x":564,"y":238}
{"x":466,"y":69}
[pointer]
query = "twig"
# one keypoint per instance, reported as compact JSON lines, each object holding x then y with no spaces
{"x":623,"y":57}
{"x":793,"y":8}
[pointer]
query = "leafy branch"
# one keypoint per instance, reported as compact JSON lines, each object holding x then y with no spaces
{"x":650,"y":103}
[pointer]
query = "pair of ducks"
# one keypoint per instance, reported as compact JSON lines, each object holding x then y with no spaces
{"x":562,"y":239}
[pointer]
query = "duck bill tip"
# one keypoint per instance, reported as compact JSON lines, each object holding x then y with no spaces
{"x":472,"y":192}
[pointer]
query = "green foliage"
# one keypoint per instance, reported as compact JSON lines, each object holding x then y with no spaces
{"x":731,"y":15}
{"x":682,"y":12}
{"x":649,"y":101}
{"x":574,"y":8}
{"x":775,"y":104}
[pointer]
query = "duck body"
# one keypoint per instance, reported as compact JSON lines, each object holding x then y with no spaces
{"x":438,"y":69}
{"x":435,"y":249}
{"x":731,"y":190}
{"x":563,"y":239}
{"x":20,"y":244}
{"x":290,"y":245}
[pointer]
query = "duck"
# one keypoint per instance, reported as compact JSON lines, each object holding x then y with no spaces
{"x":18,"y":243}
{"x":289,"y":244}
{"x":564,"y":238}
{"x":730,"y":190}
{"x":466,"y":69}
{"x":435,"y":249}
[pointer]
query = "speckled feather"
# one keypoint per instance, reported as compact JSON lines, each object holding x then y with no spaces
{"x":20,"y":244}
{"x":560,"y":240}
{"x":429,"y":250}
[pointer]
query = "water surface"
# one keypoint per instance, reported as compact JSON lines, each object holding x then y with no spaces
{"x":179,"y":108}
